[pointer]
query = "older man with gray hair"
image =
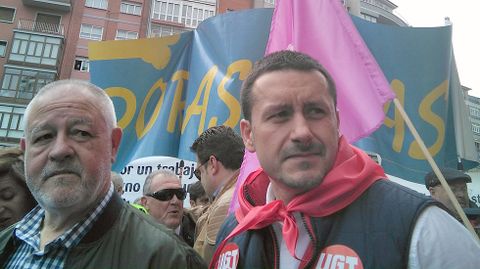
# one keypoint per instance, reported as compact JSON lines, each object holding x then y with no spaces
{"x":71,"y":140}
{"x":163,"y":197}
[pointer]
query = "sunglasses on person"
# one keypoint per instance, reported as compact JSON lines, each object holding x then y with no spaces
{"x":197,"y":172}
{"x":167,"y":194}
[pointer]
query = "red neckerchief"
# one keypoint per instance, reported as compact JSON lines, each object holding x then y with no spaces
{"x":352,"y":173}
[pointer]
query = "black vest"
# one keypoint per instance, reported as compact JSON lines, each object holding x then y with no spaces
{"x":374,"y":230}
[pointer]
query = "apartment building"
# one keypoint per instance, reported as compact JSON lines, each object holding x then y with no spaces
{"x":46,"y":40}
{"x":97,"y":20}
{"x":473,"y":105}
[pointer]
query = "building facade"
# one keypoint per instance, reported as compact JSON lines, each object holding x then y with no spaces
{"x":46,"y":40}
{"x":473,"y":106}
{"x":176,"y":16}
{"x":32,"y":44}
{"x":97,"y":20}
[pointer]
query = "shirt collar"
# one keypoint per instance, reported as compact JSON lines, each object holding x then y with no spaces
{"x":270,"y":196}
{"x":28,"y":229}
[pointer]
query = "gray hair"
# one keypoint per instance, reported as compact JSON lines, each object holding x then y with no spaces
{"x":162,"y":173}
{"x":106,"y":106}
{"x":117,"y":180}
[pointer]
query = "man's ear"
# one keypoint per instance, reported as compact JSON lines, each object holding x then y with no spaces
{"x":213,"y":164}
{"x":143,"y":202}
{"x":116,"y":139}
{"x":22,"y":144}
{"x":247,"y":135}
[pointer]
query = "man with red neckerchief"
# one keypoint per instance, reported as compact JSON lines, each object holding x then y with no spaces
{"x":317,"y":201}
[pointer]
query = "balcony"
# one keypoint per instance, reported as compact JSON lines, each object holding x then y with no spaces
{"x":40,"y":27}
{"x":58,"y":5}
{"x":11,"y":126}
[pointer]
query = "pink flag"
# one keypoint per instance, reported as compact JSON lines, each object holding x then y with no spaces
{"x":324,"y":30}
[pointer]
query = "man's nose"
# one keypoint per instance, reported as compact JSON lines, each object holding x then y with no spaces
{"x":175,"y":200}
{"x":61,"y":149}
{"x":301,"y":131}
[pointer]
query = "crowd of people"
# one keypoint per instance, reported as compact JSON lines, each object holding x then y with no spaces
{"x":315,"y":202}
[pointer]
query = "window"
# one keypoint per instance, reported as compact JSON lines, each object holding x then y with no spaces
{"x":131,"y":8}
{"x":476,"y":128}
{"x":192,"y":15}
{"x":474,"y":112}
{"x":124,"y":34}
{"x":24,"y":83}
{"x":36,"y":49}
{"x":3,"y":48}
{"x":102,"y":4}
{"x":11,"y":118}
{"x":92,"y":32}
{"x":368,"y":17}
{"x":81,"y":64}
{"x":7,"y":14}
{"x":47,"y":23}
{"x":164,"y":30}
{"x":163,"y":10}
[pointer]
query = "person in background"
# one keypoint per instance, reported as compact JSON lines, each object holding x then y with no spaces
{"x":15,"y":197}
{"x":199,"y":202}
{"x":138,"y":205}
{"x":317,"y":201}
{"x":457,"y":180}
{"x":117,"y":181}
{"x":71,"y":139}
{"x":219,"y":151}
{"x":163,"y":197}
{"x":198,"y":197}
{"x":473,"y":215}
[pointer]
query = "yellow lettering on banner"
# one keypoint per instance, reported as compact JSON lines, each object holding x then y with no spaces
{"x":397,"y":123}
{"x":177,"y":104}
{"x":140,"y":124}
{"x":130,"y":104}
{"x":437,"y":122}
{"x":195,"y":108}
{"x":242,"y":67}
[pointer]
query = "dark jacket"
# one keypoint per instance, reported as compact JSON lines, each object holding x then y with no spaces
{"x":187,"y":228}
{"x":377,"y":227}
{"x":122,"y":237}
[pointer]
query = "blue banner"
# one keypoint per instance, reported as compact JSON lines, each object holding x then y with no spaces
{"x":167,"y":91}
{"x":417,"y":63}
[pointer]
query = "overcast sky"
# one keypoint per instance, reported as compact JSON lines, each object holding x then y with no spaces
{"x":465,"y":16}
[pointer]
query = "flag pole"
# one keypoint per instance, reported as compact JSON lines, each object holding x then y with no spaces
{"x":435,"y":168}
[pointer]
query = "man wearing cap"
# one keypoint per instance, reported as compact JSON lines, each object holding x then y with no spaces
{"x":163,"y":197}
{"x":457,"y":180}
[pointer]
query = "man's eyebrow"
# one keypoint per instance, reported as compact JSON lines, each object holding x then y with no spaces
{"x":39,"y":128}
{"x":81,"y":120}
{"x":279,"y":106}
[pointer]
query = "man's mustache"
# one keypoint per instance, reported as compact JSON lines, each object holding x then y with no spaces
{"x":56,"y":169}
{"x":297,"y":149}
